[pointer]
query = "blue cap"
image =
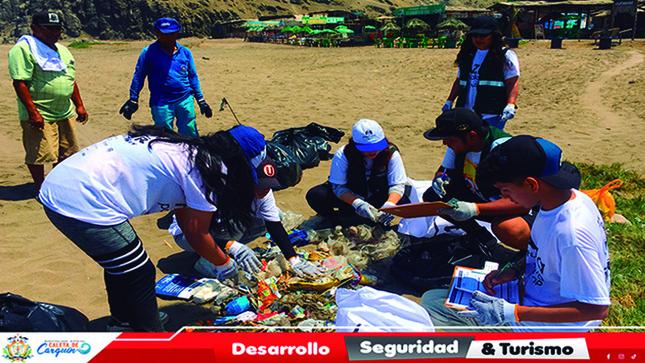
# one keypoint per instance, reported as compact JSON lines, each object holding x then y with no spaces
{"x":539,"y":158}
{"x":253,"y":145}
{"x":167,"y":25}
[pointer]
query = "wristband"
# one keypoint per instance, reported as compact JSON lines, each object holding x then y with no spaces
{"x":294,"y":260}
{"x":516,"y":312}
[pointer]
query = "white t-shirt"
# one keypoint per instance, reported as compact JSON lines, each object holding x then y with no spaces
{"x":511,"y":69}
{"x":470,"y":164}
{"x":568,"y":259}
{"x":339,"y":164}
{"x":264,"y":208}
{"x":120,"y":178}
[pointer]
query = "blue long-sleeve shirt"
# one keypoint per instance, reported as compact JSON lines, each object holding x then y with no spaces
{"x":171,"y":78}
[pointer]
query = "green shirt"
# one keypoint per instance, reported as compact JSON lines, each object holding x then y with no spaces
{"x":51,"y":91}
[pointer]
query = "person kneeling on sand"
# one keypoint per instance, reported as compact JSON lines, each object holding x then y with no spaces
{"x":469,"y":140}
{"x":91,"y":195}
{"x":366,"y":174}
{"x":266,"y":219}
{"x":566,"y":270}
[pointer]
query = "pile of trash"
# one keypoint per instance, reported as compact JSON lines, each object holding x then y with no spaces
{"x":276,"y":299}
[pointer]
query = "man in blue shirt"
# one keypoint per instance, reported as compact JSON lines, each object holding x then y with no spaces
{"x":172,"y":80}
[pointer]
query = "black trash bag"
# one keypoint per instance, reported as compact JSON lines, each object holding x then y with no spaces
{"x":309,"y":144}
{"x":289,"y":172}
{"x":18,"y":314}
{"x":430,"y":263}
{"x":305,"y":151}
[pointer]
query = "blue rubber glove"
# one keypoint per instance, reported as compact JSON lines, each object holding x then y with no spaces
{"x":446,"y":106}
{"x":462,"y":211}
{"x":365,"y":210}
{"x":227,"y":270}
{"x":439,"y":185}
{"x":245,"y":257}
{"x":509,"y":112}
{"x":491,"y":310}
{"x":305,"y":268}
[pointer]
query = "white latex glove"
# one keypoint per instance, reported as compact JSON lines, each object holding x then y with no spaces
{"x":364,"y":209}
{"x":245,"y":257}
{"x":439,"y":185}
{"x":491,"y":310}
{"x":509,"y":112}
{"x":461,"y":212}
{"x":305,"y":268}
{"x":227,"y":270}
{"x":446,"y":106}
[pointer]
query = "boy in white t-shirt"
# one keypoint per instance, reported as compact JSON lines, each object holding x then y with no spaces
{"x":566,"y":269}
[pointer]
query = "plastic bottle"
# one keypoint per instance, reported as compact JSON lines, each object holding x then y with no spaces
{"x":239,"y":305}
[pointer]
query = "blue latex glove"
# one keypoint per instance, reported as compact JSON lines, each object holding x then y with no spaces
{"x":462,"y":211}
{"x":227,"y":270}
{"x":446,"y":106}
{"x":245,"y":257}
{"x":439,"y":185}
{"x":490,"y":310}
{"x":365,"y":210}
{"x":204,"y":108}
{"x":305,"y":268}
{"x":509,"y":112}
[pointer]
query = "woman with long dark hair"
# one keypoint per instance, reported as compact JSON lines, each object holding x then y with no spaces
{"x":487,"y":80}
{"x":91,"y":196}
{"x":366,"y":174}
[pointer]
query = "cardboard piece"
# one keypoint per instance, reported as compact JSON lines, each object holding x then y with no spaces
{"x":415,"y":210}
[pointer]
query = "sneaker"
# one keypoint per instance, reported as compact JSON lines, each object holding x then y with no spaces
{"x":205,"y":268}
{"x":114,"y":325}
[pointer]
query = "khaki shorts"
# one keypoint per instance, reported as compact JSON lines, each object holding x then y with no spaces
{"x":55,"y":142}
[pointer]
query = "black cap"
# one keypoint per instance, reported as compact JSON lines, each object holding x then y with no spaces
{"x":46,"y":18}
{"x":539,"y":158}
{"x":267,"y":174}
{"x":454,"y":122}
{"x":483,"y":25}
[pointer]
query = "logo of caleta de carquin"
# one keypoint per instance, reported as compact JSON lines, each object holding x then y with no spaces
{"x":17,"y":350}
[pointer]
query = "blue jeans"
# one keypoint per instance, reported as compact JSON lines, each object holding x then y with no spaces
{"x":129,"y":274}
{"x":183,"y":111}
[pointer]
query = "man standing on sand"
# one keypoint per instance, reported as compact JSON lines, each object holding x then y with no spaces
{"x":172,"y":80}
{"x":44,"y":77}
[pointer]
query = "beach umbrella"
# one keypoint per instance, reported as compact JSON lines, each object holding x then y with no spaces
{"x":390,"y":28}
{"x":285,"y":30}
{"x":453,"y":24}
{"x":296,"y":29}
{"x":417,"y":24}
{"x":307,"y":29}
{"x":344,"y":30}
{"x":369,"y":27}
{"x":328,"y":31}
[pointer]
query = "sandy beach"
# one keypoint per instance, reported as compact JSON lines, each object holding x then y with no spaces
{"x":588,"y":101}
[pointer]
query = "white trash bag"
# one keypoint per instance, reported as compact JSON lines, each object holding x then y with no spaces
{"x":371,"y":310}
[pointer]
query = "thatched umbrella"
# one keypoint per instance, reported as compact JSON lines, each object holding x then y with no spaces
{"x":417,"y":24}
{"x":390,"y":28}
{"x":452,"y":24}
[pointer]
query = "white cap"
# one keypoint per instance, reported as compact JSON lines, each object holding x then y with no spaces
{"x":368,"y":136}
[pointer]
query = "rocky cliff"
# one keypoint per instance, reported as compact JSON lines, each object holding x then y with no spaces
{"x":132,"y":19}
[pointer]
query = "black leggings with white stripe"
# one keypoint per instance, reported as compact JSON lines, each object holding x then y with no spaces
{"x":128,"y":272}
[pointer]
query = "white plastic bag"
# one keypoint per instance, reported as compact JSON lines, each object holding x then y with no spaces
{"x":371,"y":310}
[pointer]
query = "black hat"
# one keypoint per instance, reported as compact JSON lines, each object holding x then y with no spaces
{"x":539,"y":158}
{"x":454,"y":122}
{"x":46,"y":18}
{"x":483,"y":25}
{"x":267,"y":174}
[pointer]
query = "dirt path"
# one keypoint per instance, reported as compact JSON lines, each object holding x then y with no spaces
{"x":594,"y":98}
